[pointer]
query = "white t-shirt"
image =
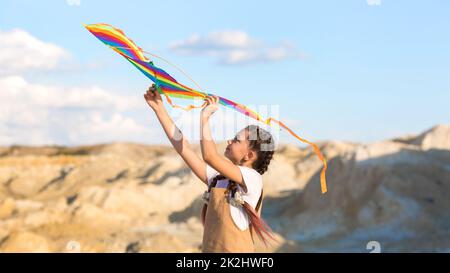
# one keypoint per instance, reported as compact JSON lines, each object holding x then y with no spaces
{"x":253,"y":182}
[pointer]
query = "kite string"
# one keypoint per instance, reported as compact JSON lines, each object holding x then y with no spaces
{"x":173,"y":65}
{"x":190,"y":106}
{"x":179,"y":69}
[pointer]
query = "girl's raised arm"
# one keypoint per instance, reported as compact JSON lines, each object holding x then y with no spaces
{"x":179,"y":142}
{"x":208,"y":146}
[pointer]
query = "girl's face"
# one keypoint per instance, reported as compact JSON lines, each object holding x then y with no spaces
{"x":238,"y":150}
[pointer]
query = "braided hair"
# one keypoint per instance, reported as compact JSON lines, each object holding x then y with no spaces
{"x":262,"y":142}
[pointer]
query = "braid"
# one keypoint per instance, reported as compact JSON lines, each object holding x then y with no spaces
{"x":262,"y":142}
{"x":264,"y":162}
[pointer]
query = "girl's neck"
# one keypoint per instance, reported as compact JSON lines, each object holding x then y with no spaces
{"x":246,"y":164}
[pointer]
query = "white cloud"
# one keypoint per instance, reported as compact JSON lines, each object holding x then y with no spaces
{"x":17,"y":91}
{"x":38,"y":114}
{"x":96,"y":128}
{"x":235,"y":47}
{"x":20,"y":52}
{"x":41,"y":114}
{"x":214,"y":41}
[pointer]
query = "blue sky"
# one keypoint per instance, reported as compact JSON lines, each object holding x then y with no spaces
{"x":368,"y":72}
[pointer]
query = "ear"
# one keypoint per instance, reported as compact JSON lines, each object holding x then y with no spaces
{"x":251,"y":155}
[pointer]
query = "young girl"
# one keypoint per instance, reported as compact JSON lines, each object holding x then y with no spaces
{"x":235,"y":189}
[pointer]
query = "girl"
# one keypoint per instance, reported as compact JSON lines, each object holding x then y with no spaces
{"x":235,"y":189}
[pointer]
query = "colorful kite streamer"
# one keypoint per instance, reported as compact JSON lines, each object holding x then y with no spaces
{"x":169,"y":87}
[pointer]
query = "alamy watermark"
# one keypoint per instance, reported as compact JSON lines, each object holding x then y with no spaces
{"x":373,"y":2}
{"x":73,"y":2}
{"x":374,"y":247}
{"x":73,"y":247}
{"x":226,"y":123}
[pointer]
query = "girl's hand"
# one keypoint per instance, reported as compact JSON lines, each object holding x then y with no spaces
{"x":153,"y":98}
{"x":211,"y":106}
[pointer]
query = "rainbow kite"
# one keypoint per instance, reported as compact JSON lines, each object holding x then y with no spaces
{"x":169,"y":87}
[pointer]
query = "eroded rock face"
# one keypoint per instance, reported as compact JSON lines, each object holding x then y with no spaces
{"x":392,"y":192}
{"x":435,"y":138}
{"x":26,"y":242}
{"x":125,"y":197}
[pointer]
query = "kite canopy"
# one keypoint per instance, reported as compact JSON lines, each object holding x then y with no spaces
{"x":169,"y":87}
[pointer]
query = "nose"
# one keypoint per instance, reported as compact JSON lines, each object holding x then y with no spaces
{"x":229,"y":141}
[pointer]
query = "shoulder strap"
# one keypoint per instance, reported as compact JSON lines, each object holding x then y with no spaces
{"x":259,"y":204}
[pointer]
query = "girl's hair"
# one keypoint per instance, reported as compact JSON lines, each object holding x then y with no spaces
{"x":262,"y":142}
